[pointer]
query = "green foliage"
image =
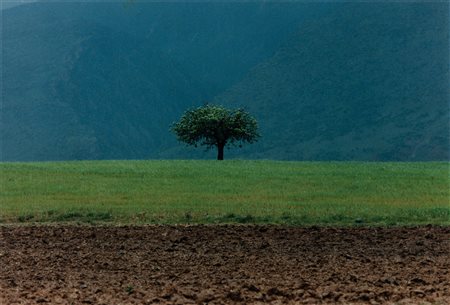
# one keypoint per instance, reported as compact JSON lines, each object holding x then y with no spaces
{"x":216,"y":126}
{"x":109,"y":111}
{"x":168,"y":192}
{"x":327,"y":80}
{"x":129,"y":289}
{"x":353,"y":86}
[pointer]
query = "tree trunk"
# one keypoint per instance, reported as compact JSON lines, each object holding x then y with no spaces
{"x":220,"y":151}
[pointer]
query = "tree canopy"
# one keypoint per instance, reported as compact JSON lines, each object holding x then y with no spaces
{"x":216,"y":126}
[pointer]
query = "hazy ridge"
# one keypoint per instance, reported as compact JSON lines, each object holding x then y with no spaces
{"x":326,"y":81}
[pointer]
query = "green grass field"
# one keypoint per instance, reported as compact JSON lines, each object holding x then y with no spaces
{"x":295,"y":193}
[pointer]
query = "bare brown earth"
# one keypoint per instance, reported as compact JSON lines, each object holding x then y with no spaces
{"x":223,"y":265}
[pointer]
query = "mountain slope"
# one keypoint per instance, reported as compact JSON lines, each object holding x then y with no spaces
{"x":105,"y":81}
{"x":84,"y":92}
{"x":368,"y":82}
{"x":341,"y":81}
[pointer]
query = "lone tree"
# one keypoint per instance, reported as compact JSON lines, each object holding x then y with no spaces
{"x":214,"y":125}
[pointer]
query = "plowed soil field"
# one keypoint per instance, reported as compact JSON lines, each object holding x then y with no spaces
{"x":223,"y":264}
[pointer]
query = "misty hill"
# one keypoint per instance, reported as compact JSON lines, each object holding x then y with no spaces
{"x":368,"y":82}
{"x":326,"y":81}
{"x":6,"y":4}
{"x":104,"y":80}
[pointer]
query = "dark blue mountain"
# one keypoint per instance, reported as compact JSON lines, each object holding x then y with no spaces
{"x":102,"y":80}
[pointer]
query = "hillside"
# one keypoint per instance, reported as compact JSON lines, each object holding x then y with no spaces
{"x":368,"y":82}
{"x":326,"y":81}
{"x":105,"y":80}
{"x":6,"y":4}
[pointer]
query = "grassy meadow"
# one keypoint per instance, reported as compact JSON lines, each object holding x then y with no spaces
{"x":295,"y":193}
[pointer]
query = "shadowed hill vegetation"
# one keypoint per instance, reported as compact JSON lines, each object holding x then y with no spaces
{"x":105,"y":80}
{"x":369,"y":82}
{"x":325,"y":81}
